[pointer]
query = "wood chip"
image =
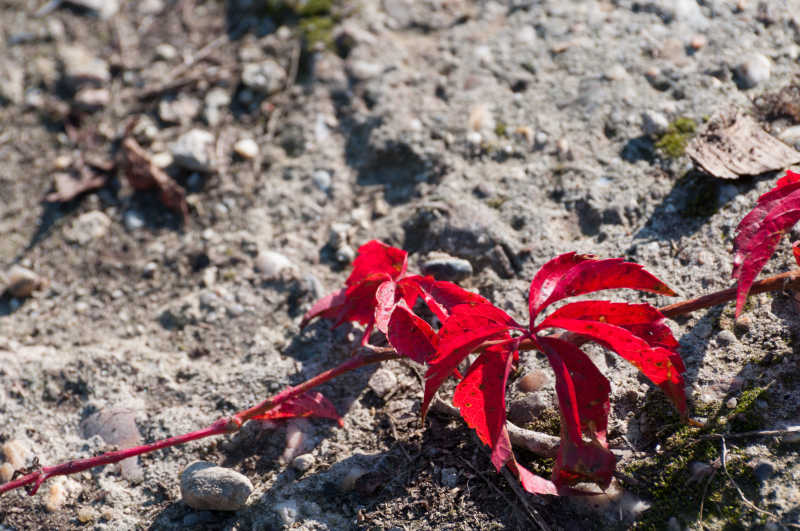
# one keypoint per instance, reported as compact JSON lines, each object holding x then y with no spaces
{"x":734,"y":145}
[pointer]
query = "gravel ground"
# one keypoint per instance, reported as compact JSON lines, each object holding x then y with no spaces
{"x":498,"y":133}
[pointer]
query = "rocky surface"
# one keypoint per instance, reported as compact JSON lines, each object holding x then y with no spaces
{"x":483,"y":137}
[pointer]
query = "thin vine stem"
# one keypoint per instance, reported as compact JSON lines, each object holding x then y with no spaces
{"x":34,"y":479}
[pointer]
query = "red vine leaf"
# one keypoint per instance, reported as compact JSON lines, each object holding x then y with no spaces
{"x":760,"y":231}
{"x":410,"y":335}
{"x":377,"y":257}
{"x":311,"y":404}
{"x":593,"y":274}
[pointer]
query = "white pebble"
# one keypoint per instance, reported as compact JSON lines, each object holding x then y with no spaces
{"x":246,"y":148}
{"x":754,"y":70}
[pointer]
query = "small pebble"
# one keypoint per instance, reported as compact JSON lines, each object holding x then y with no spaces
{"x":449,"y":477}
{"x":743,"y":323}
{"x":446,"y":267}
{"x":194,"y":150}
{"x":792,"y":437}
{"x":345,"y":254}
{"x":56,"y":496}
{"x":161,"y":159}
{"x":338,"y":234}
{"x":288,"y":512}
{"x":698,"y":41}
{"x":88,"y":227}
{"x":731,"y":403}
{"x":726,"y":337}
{"x":166,"y":52}
{"x":266,"y":76}
{"x":474,"y":138}
{"x":383,"y":382}
{"x":754,"y":70}
{"x":654,"y":123}
{"x":205,"y":486}
{"x":271,"y":263}
{"x":87,"y":514}
{"x":6,"y":472}
{"x":22,"y":282}
{"x":80,"y":66}
{"x":92,"y":99}
{"x":295,"y":442}
{"x":533,"y":381}
{"x":133,"y":220}
{"x":16,"y":454}
{"x":303,"y":462}
{"x":322,"y":180}
{"x":246,"y":148}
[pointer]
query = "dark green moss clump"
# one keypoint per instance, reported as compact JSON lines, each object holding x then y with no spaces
{"x":315,"y":19}
{"x":681,"y":474}
{"x":673,"y":143}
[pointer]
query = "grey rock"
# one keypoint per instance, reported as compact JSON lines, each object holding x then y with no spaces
{"x":527,"y":409}
{"x":449,"y":477}
{"x":104,"y":9}
{"x":383,"y":382}
{"x":180,"y":110}
{"x":117,"y":426}
{"x":726,"y":337}
{"x":79,"y":66}
{"x":271,"y":263}
{"x":216,"y":99}
{"x":447,"y":267}
{"x":166,"y":52}
{"x":654,"y":123}
{"x":194,"y":150}
{"x":753,"y":71}
{"x":92,"y":99}
{"x":207,"y":487}
{"x":12,"y":82}
{"x":322,"y":180}
{"x":288,"y":511}
{"x":265,"y":76}
{"x":21,"y":282}
{"x":88,"y":227}
{"x":345,"y":254}
{"x":303,"y":462}
{"x":133,"y":220}
{"x":338,"y":235}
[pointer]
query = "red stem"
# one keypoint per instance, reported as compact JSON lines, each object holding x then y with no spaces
{"x":34,"y":480}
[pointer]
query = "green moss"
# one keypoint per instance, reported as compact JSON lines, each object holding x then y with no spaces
{"x":501,"y":129}
{"x":496,"y":202}
{"x":747,"y":414}
{"x":549,"y":422}
{"x":317,"y":30}
{"x":673,"y":143}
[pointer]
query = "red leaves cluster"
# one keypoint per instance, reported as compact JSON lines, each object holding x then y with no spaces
{"x":380,"y":293}
{"x":636,"y":332}
{"x":759,"y":233}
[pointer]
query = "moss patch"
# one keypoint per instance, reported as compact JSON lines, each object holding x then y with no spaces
{"x":681,"y":475}
{"x":673,"y":143}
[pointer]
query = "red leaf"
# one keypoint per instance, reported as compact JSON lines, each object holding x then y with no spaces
{"x":548,"y":276}
{"x":592,"y":389}
{"x":377,"y":257}
{"x":384,"y":297}
{"x":467,"y":328}
{"x":481,"y":398}
{"x":577,"y":460}
{"x":360,"y":300}
{"x":663,"y":367}
{"x":643,"y":320}
{"x":328,"y":306}
{"x":311,"y":404}
{"x":759,"y":233}
{"x":796,"y":252}
{"x":439,"y":295}
{"x":530,"y":481}
{"x":410,"y":335}
{"x":594,"y":275}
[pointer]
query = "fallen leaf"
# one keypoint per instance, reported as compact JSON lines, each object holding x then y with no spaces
{"x":730,"y":146}
{"x":142,"y":174}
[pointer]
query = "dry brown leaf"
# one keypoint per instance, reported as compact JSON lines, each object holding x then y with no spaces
{"x":144,"y":175}
{"x":734,"y":145}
